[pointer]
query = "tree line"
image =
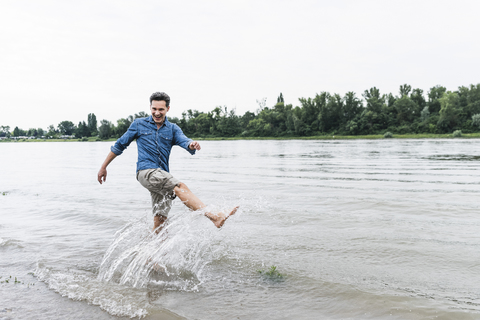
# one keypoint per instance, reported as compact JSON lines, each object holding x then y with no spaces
{"x":410,"y":111}
{"x":103,"y":130}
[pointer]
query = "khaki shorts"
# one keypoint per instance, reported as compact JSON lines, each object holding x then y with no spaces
{"x":160,"y":184}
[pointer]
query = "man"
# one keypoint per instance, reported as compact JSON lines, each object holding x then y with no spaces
{"x":155,"y":137}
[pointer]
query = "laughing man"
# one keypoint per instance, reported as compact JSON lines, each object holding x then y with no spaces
{"x":155,"y":137}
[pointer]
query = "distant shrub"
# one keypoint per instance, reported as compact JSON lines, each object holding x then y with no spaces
{"x":457,"y":133}
{"x":84,"y":139}
{"x":388,"y":135}
{"x":404,"y":129}
{"x":98,"y":139}
{"x":476,"y":120}
{"x":424,"y":114}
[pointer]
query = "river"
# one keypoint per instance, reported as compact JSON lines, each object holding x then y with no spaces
{"x":349,"y":229}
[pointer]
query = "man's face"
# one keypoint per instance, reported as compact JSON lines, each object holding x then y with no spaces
{"x":159,"y":109}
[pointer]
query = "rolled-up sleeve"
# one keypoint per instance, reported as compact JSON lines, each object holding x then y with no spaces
{"x":124,"y":141}
{"x":180,"y":139}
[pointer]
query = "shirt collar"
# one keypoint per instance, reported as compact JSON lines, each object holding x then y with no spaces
{"x":150,"y":119}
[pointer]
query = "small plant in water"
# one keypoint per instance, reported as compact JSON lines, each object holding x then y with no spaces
{"x":271,"y":273}
{"x":388,"y":135}
{"x":15,"y":280}
{"x":457,"y":133}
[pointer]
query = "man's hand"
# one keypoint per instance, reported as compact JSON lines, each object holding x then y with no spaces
{"x":194,"y":145}
{"x":102,"y":174}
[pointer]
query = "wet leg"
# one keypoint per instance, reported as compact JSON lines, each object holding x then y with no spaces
{"x":194,"y":203}
{"x":158,"y":223}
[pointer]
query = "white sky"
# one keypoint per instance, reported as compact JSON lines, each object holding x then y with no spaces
{"x":60,"y":60}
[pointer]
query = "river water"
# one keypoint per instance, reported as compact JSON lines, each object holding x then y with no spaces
{"x":365,"y":229}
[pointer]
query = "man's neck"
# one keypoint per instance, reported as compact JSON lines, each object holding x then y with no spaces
{"x":159,"y":125}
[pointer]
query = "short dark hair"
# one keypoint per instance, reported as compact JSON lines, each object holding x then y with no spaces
{"x":160,"y":96}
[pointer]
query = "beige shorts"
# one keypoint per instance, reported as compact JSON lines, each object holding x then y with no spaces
{"x":160,"y":184}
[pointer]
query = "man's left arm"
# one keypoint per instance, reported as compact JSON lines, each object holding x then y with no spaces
{"x":180,"y":139}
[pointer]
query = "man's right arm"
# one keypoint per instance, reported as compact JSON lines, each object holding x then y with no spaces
{"x":117,"y":149}
{"x":102,"y":173}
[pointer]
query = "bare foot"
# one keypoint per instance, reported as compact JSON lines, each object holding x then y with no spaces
{"x":220,"y":218}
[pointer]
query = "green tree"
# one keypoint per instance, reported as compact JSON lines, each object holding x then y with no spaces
{"x":330,"y":110}
{"x":275,"y":118}
{"x":374,"y":117}
{"x":352,"y":127}
{"x":203,"y":123}
{"x":469,"y":101}
{"x":259,"y":127}
{"x":52,"y":132}
{"x":309,"y":114}
{"x":476,"y":120}
{"x":246,"y":118}
{"x":5,"y":131}
{"x":16,"y":132}
{"x":419,"y":100}
{"x":406,"y":110}
{"x":32,"y":132}
{"x":66,"y":127}
{"x":279,"y":117}
{"x":331,"y":117}
{"x":228,"y":124}
{"x":289,"y":123}
{"x":352,"y":106}
{"x":141,"y":114}
{"x":434,"y":96}
{"x":374,"y":100}
{"x":449,"y":112}
{"x":405,"y":90}
{"x":92,"y":124}
{"x":19,"y":132}
{"x":280,"y":98}
{"x":122,"y":125}
{"x":425,"y":114}
{"x":301,"y":129}
{"x":105,"y":130}
{"x":82,"y":130}
{"x":188,"y":125}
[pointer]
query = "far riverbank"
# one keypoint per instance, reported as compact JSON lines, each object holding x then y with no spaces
{"x":321,"y":137}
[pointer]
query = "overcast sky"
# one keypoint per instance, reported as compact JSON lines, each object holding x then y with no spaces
{"x":60,"y":60}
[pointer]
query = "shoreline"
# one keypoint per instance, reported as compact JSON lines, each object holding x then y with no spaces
{"x":322,"y":137}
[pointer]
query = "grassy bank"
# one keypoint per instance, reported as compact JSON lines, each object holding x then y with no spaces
{"x":337,"y":137}
{"x":91,"y":139}
{"x":323,"y":137}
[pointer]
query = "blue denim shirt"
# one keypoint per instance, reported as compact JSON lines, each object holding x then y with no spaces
{"x":154,"y":145}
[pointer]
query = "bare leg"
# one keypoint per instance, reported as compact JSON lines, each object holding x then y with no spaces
{"x":193,"y":203}
{"x":158,"y":222}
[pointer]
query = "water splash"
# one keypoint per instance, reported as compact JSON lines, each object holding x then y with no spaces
{"x":139,"y":265}
{"x":174,"y":259}
{"x":111,"y":297}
